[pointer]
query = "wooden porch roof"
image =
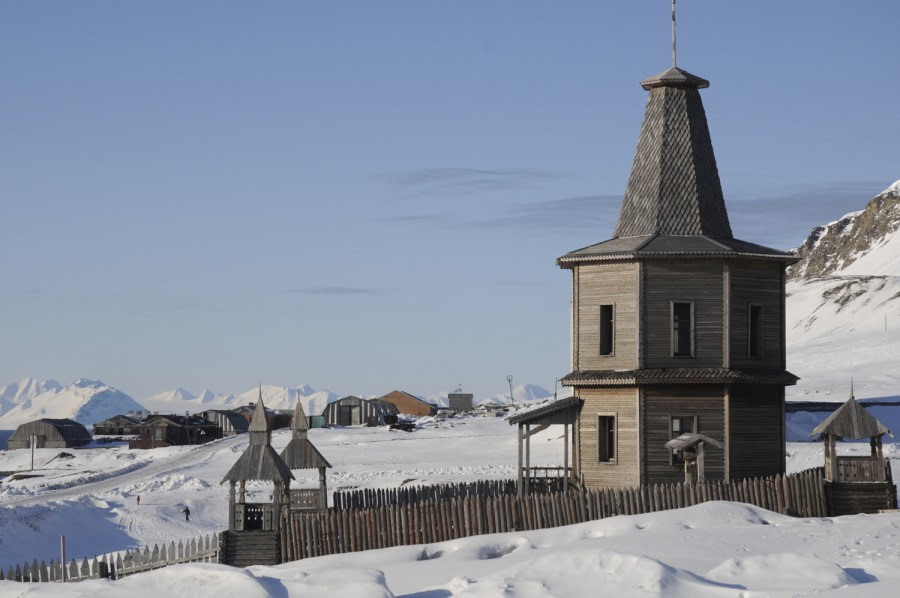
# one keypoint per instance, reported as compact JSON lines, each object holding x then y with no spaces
{"x":561,"y":411}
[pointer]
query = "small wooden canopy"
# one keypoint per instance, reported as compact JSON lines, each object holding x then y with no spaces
{"x":689,"y":441}
{"x":259,"y":461}
{"x":851,"y":420}
{"x":300,"y":453}
{"x":561,"y":411}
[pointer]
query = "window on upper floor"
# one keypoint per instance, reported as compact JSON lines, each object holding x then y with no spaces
{"x":755,"y":318}
{"x":682,"y":329}
{"x":607,"y":329}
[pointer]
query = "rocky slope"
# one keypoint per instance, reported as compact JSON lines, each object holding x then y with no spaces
{"x":843,"y":306}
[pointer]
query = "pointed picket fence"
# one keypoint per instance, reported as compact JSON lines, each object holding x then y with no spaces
{"x":119,"y":564}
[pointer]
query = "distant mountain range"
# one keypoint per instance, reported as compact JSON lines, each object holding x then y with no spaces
{"x":91,"y":401}
{"x":843,"y":305}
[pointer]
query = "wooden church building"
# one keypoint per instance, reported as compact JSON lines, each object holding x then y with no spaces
{"x":677,"y":326}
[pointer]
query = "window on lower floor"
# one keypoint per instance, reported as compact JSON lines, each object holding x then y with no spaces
{"x":606,"y":438}
{"x":678,"y":425}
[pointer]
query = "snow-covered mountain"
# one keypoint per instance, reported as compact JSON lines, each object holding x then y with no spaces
{"x":24,"y":390}
{"x":274,"y":397}
{"x":522,"y":394}
{"x":85,"y":401}
{"x":843,"y":305}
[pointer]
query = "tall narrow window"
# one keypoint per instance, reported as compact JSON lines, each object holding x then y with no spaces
{"x":606,"y":329}
{"x":678,"y":425}
{"x":755,"y":333}
{"x":682,"y":329}
{"x":606,"y":438}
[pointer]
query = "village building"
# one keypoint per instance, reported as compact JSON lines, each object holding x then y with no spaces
{"x":174,"y":430}
{"x":408,"y":404}
{"x":49,"y":433}
{"x":119,"y":425}
{"x":229,"y":422}
{"x":677,"y":326}
{"x":354,"y":411}
{"x":459,"y":401}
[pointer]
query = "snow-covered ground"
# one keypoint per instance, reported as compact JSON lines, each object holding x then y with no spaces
{"x":716,"y":549}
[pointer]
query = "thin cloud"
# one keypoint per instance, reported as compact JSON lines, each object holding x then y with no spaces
{"x":586,"y":213}
{"x":332,"y":291}
{"x":443,"y":181}
{"x":784,"y":219}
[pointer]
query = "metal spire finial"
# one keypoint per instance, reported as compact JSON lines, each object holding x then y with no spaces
{"x":673,"y":35}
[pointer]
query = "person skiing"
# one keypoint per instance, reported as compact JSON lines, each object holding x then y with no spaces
{"x":139,"y":500}
{"x":187,"y":513}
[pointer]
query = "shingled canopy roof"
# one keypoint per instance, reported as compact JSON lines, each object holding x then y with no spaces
{"x":259,"y":460}
{"x":673,"y":204}
{"x":676,"y":376}
{"x":851,"y":420}
{"x":300,"y":453}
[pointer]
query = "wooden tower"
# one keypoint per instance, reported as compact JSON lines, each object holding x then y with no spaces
{"x":253,"y":536}
{"x":300,"y":453}
{"x":677,"y":327}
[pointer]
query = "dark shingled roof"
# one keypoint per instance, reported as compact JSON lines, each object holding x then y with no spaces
{"x":259,"y":461}
{"x":662,"y":246}
{"x":851,"y":420}
{"x":300,"y":453}
{"x":673,"y":204}
{"x":676,"y":376}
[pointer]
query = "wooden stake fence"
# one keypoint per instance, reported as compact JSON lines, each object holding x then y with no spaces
{"x":121,"y":564}
{"x":468,"y":512}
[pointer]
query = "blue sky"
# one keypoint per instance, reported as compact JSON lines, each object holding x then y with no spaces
{"x":371,"y":195}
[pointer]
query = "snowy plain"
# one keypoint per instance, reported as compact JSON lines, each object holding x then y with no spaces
{"x":715,"y":549}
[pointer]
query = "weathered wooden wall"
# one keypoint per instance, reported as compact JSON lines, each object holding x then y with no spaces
{"x":623,"y":403}
{"x":756,"y":430}
{"x":608,"y":284}
{"x":697,"y":281}
{"x":860,"y":497}
{"x":705,"y":402}
{"x":408,"y":404}
{"x":759,"y":283}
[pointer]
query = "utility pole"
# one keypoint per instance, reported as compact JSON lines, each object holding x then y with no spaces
{"x":511,"y":399}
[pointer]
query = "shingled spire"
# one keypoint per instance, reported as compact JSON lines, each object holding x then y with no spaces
{"x":674,"y":186}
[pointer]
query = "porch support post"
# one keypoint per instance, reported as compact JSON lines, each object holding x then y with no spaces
{"x":700,"y":463}
{"x":231,"y":506}
{"x":519,"y":479}
{"x":527,"y":459}
{"x":565,"y":457}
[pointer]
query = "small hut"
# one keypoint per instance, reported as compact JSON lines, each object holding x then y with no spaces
{"x":300,"y":453}
{"x":692,"y":448}
{"x":253,"y":536}
{"x":856,"y":484}
{"x":49,"y":433}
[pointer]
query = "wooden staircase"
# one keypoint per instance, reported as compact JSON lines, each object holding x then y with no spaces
{"x":242,"y":549}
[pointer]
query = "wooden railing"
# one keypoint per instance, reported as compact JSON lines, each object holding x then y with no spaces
{"x":121,"y":564}
{"x":863,"y":469}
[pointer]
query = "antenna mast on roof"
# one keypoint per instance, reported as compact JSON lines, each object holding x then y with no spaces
{"x":673,"y":34}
